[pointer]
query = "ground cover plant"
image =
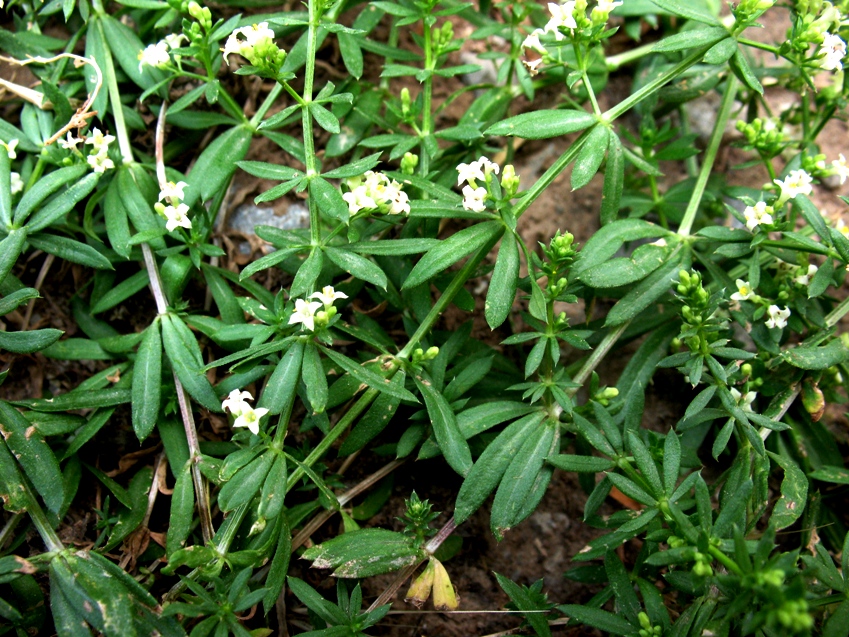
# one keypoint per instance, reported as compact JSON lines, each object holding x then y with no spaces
{"x":169,"y":459}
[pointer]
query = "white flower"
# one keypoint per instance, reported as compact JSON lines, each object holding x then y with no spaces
{"x":473,"y":198}
{"x":10,"y":147}
{"x":177,"y":216}
{"x":470,"y":172}
{"x":70,"y":143}
{"x":173,"y":191}
{"x":305,"y":313}
{"x":155,"y":55}
{"x":777,"y":317}
{"x":251,"y":35}
{"x":805,"y":277}
{"x":99,"y":141}
{"x":798,"y":182}
{"x":100,"y":162}
{"x":17,"y":183}
{"x":327,"y":295}
{"x":840,"y":168}
{"x":488,"y":166}
{"x":561,"y":16}
{"x":174,"y":40}
{"x":608,"y":5}
{"x":532,"y":66}
{"x":400,"y":202}
{"x":358,"y":199}
{"x":834,"y":50}
{"x":250,"y":418}
{"x":235,"y":402}
{"x":532,"y":42}
{"x":744,"y":401}
{"x":758,"y":214}
{"x":744,"y":291}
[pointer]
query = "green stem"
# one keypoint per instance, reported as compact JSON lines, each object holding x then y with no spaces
{"x":759,"y":45}
{"x":42,"y":524}
{"x":266,"y":104}
{"x":726,"y":561}
{"x":710,"y":155}
{"x":115,"y":100}
{"x":427,"y":99}
{"x":614,"y":62}
{"x":598,"y":354}
{"x":306,"y":119}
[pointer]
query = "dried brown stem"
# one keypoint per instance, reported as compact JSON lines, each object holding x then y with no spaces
{"x":39,"y":281}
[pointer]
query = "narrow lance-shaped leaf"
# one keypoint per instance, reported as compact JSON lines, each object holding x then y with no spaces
{"x":185,"y":358}
{"x":147,"y":382}
{"x":445,"y":430}
{"x":590,"y":156}
{"x":279,"y":394}
{"x":505,"y":279}
{"x":794,"y":493}
{"x":182,"y":510}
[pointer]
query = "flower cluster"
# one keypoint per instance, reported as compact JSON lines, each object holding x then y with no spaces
{"x":157,"y":55}
{"x":777,"y":317}
{"x":567,"y":19}
{"x":17,"y":184}
{"x":832,"y":50}
{"x":473,"y":194}
{"x":375,"y":192}
{"x":256,"y":44}
{"x":758,"y":214}
{"x":98,"y":159}
{"x":308,"y":314}
{"x":797,"y":182}
{"x":246,"y":416}
{"x":176,"y":212}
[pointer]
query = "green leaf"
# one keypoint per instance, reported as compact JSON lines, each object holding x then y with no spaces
{"x":279,"y":393}
{"x":276,"y":578}
{"x":126,"y":46}
{"x":17,"y":298}
{"x":597,"y":618}
{"x":645,"y":462}
{"x":794,"y":493}
{"x":29,"y":342}
{"x":452,"y":443}
{"x":489,"y":469}
{"x":264,"y":170}
{"x":121,"y":292}
{"x":609,"y":239}
{"x":523,"y":601}
{"x":590,"y":156}
{"x":45,"y":187}
{"x":647,"y":292}
{"x":375,"y":419}
{"x":79,"y":399}
{"x":352,"y":56}
{"x":182,"y":510}
{"x":10,"y":249}
{"x":327,"y":120}
{"x":314,"y":379}
{"x":33,"y":454}
{"x":394,"y":247}
{"x":70,"y":250}
{"x":216,"y":164}
{"x":505,"y":279}
{"x":814,"y":357}
{"x":243,"y":486}
{"x":357,"y":266}
{"x":697,"y":11}
{"x":77,"y":349}
{"x":691,"y":39}
{"x":580,"y":464}
{"x":671,"y":462}
{"x":183,"y":353}
{"x":520,"y":477}
{"x":61,"y":204}
{"x":130,"y":520}
{"x":272,"y":495}
{"x":451,"y":250}
{"x":308,"y":273}
{"x":740,"y":67}
{"x":614,"y":180}
{"x":354,"y":168}
{"x":147,"y":382}
{"x":543,"y":124}
{"x":368,"y":377}
{"x":828,"y":473}
{"x":329,"y":199}
{"x":625,"y":270}
{"x":364,"y":553}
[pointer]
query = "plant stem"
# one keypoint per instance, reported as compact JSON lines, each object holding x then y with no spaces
{"x":598,"y":353}
{"x":266,"y":104}
{"x":115,"y":99}
{"x":427,"y":98}
{"x":306,"y":120}
{"x":710,"y":155}
{"x":39,"y":519}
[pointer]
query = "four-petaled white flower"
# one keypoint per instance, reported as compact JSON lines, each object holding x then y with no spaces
{"x":833,"y":50}
{"x":608,"y":5}
{"x":305,"y":313}
{"x":10,"y":147}
{"x":532,"y":66}
{"x":172,"y":191}
{"x":155,"y":55}
{"x":246,"y":416}
{"x":470,"y":172}
{"x":758,"y":214}
{"x":251,"y":34}
{"x":561,"y":17}
{"x":532,"y":42}
{"x":797,"y":182}
{"x":358,"y":199}
{"x":16,"y":183}
{"x":804,"y":278}
{"x":375,"y":191}
{"x":177,"y":216}
{"x":744,"y":291}
{"x":100,"y":162}
{"x":840,"y":168}
{"x":99,"y":141}
{"x":744,"y":401}
{"x":327,"y":296}
{"x":777,"y":317}
{"x":70,"y":142}
{"x":399,"y":201}
{"x":235,"y":401}
{"x":473,"y":198}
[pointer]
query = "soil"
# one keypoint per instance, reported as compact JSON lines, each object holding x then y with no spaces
{"x":540,"y":548}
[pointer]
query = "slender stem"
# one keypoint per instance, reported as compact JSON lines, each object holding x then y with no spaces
{"x":726,"y":561}
{"x":39,"y":519}
{"x":759,"y":45}
{"x":614,"y":62}
{"x":837,"y":313}
{"x":306,"y":119}
{"x":427,"y":99}
{"x":598,"y":353}
{"x":115,"y":100}
{"x":710,"y":155}
{"x":269,"y":100}
{"x":8,"y":529}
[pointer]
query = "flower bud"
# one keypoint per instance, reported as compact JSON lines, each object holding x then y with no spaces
{"x":432,"y":352}
{"x":444,"y":597}
{"x":509,"y":181}
{"x":257,"y":527}
{"x":813,"y":399}
{"x":405,"y":102}
{"x":410,"y":160}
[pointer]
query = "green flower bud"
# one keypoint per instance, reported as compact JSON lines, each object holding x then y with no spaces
{"x":410,"y":160}
{"x":405,"y":101}
{"x":432,"y":352}
{"x":509,"y":181}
